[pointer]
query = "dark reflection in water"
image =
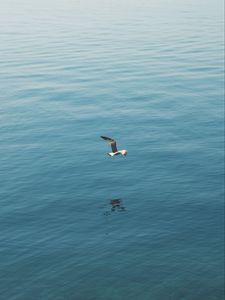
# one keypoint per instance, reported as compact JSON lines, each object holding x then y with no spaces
{"x":116,"y":205}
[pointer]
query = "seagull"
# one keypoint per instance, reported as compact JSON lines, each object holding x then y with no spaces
{"x":114,"y":148}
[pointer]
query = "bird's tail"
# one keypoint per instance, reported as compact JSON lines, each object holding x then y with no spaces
{"x":111,"y":154}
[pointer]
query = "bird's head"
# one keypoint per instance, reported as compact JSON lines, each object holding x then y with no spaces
{"x":124,"y":152}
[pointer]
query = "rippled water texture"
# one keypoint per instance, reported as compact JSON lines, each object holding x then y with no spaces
{"x":75,"y":223}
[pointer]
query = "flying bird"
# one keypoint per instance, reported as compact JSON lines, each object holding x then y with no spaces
{"x":113,"y":146}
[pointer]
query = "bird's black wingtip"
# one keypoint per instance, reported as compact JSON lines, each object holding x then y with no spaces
{"x":107,"y":139}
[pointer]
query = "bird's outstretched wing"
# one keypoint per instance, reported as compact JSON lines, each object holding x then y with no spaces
{"x":111,"y":142}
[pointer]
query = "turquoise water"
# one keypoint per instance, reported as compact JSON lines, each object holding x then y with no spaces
{"x":75,"y":223}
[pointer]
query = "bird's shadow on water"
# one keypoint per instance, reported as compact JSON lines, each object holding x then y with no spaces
{"x":115,"y":206}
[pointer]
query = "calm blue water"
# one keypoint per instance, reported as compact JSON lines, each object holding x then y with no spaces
{"x":149,"y":74}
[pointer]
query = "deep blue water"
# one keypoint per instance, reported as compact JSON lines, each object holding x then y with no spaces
{"x":150,"y":75}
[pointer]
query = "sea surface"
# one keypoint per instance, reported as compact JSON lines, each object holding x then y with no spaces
{"x":76,"y":224}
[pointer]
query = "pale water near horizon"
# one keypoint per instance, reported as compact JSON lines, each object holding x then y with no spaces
{"x":75,"y":223}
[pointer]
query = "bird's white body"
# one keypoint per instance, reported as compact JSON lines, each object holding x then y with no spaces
{"x":122,"y":152}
